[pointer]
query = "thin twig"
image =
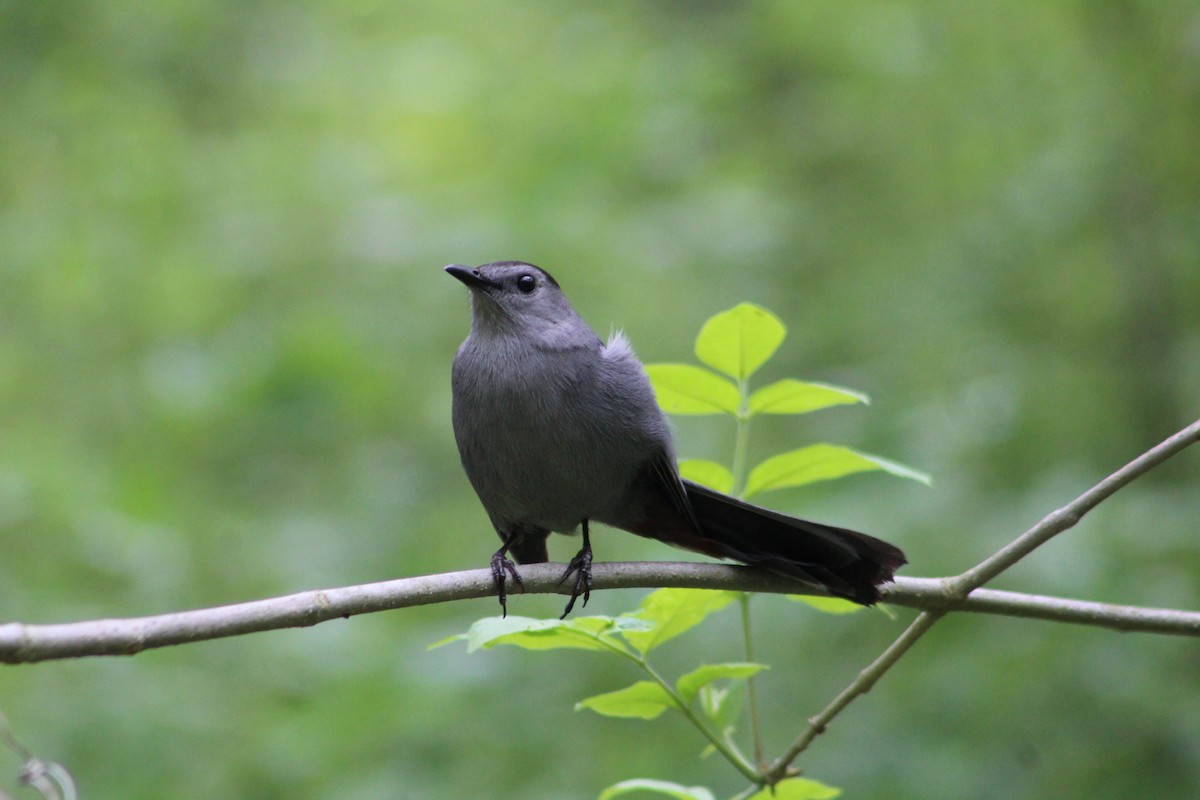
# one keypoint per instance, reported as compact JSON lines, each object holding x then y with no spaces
{"x":956,"y":592}
{"x":1067,"y":516}
{"x":861,"y":685}
{"x":751,"y":683}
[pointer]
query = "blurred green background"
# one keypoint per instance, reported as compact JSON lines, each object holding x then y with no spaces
{"x":225,"y":342}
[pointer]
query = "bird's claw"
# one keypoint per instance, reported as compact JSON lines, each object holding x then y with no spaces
{"x":581,"y":567}
{"x":502,"y":567}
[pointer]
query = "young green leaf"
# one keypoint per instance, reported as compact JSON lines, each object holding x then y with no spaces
{"x":581,"y":633}
{"x":685,"y":389}
{"x":738,"y":341}
{"x":642,"y":700}
{"x":797,"y":789}
{"x":675,"y":790}
{"x":689,"y":685}
{"x":827,"y":605}
{"x":707,"y":473}
{"x":820,"y":462}
{"x":720,"y":704}
{"x":670,"y":612}
{"x":790,"y":396}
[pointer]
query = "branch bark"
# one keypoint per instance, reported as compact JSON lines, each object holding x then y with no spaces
{"x":959,"y":590}
{"x":27,"y":643}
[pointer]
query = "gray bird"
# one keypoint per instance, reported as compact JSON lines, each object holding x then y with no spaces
{"x":557,"y":429}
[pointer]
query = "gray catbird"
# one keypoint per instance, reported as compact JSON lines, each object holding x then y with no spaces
{"x":557,"y":429}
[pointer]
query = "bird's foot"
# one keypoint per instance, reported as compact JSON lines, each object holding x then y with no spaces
{"x":581,"y":567}
{"x":502,"y":567}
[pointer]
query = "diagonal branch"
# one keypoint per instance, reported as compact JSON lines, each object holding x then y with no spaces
{"x":958,"y":591}
{"x":1069,"y":515}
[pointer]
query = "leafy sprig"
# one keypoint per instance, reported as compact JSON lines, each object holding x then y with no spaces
{"x":702,"y":695}
{"x":733,"y":345}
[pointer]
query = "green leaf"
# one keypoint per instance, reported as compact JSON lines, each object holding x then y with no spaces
{"x":790,"y":396}
{"x":797,"y":789}
{"x":900,"y":470}
{"x":670,"y":612}
{"x":642,"y":700}
{"x":827,"y":605}
{"x":667,"y":788}
{"x":581,"y":633}
{"x":820,"y":462}
{"x":721,"y":704}
{"x":738,"y":341}
{"x":689,"y":685}
{"x":707,"y":473}
{"x":685,"y":389}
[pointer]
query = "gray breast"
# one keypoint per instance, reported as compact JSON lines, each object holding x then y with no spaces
{"x":555,"y":441}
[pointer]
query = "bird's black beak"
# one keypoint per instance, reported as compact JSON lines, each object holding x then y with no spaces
{"x":470,"y":276}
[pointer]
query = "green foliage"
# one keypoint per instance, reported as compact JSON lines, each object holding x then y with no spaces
{"x":707,"y":473}
{"x":737,"y":343}
{"x":671,"y":613}
{"x":820,"y":462}
{"x":642,"y":700}
{"x":684,"y":389}
{"x":700,"y":695}
{"x":225,"y":347}
{"x":790,"y":396}
{"x":581,"y":633}
{"x":829,"y":605}
{"x":665,"y":788}
{"x":790,"y":789}
{"x":690,"y":685}
{"x":797,"y":789}
{"x":662,"y":615}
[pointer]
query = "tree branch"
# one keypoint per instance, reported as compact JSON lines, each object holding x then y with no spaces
{"x":782,"y":767}
{"x":929,"y":594}
{"x":958,"y":591}
{"x":1066,"y":517}
{"x":26,"y":643}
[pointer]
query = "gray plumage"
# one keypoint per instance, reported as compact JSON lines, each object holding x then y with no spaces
{"x":556,"y":428}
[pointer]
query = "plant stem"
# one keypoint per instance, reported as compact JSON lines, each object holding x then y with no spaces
{"x":751,"y":683}
{"x":741,"y":442}
{"x":722,"y":746}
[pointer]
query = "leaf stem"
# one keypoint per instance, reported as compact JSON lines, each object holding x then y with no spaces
{"x":724,"y":747}
{"x":741,"y":442}
{"x":751,"y":682}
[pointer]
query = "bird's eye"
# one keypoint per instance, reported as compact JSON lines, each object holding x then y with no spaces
{"x":526,"y":284}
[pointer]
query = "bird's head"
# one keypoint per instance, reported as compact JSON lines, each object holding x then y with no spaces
{"x":518,"y":298}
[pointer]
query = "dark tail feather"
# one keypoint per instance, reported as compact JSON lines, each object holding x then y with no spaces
{"x":846,"y":563}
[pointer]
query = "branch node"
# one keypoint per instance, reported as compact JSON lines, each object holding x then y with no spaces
{"x":1061,"y":519}
{"x":955,"y":590}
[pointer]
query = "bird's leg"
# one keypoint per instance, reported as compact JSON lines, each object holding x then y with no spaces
{"x":581,"y":568}
{"x":502,"y":567}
